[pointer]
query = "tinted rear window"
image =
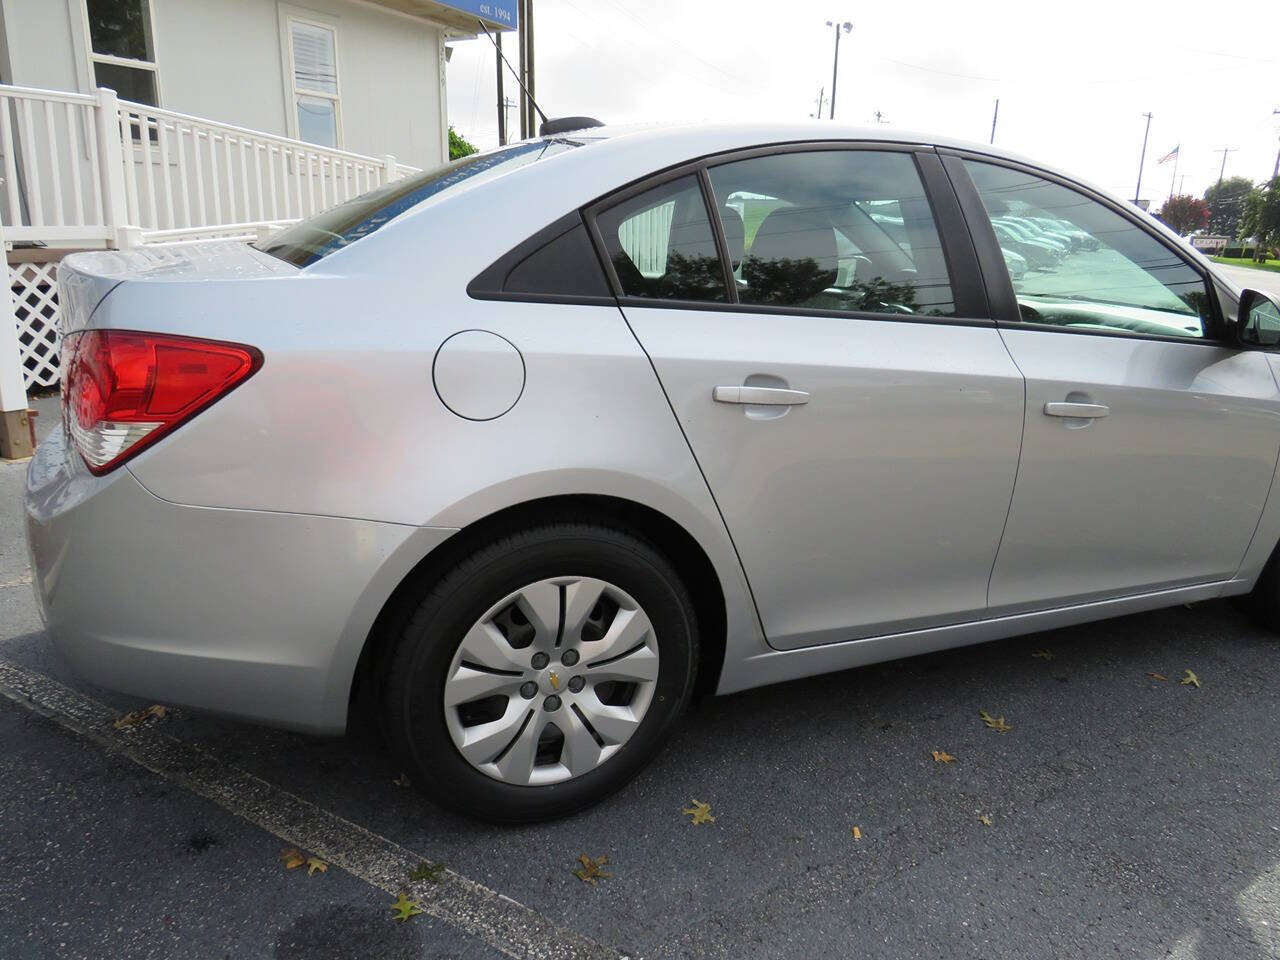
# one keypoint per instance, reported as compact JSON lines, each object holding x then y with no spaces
{"x":316,"y":237}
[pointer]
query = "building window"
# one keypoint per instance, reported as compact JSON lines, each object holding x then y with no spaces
{"x":314,"y":49}
{"x":121,"y":49}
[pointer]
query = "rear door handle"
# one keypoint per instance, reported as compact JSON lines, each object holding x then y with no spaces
{"x":1083,"y":411}
{"x":764,"y":396}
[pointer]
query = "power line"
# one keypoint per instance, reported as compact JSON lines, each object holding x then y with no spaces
{"x":669,"y":41}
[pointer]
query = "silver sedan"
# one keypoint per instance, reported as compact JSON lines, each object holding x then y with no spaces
{"x":525,"y":452}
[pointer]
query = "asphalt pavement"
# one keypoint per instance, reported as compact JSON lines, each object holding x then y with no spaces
{"x":1266,"y":281}
{"x":1124,"y":814}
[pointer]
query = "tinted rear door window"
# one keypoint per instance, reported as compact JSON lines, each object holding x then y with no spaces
{"x":833,"y":230}
{"x":661,"y":244}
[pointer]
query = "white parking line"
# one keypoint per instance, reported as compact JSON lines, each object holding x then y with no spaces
{"x":499,"y":921}
{"x":20,"y":582}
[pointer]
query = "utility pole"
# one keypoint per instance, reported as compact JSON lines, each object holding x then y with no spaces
{"x":529,"y":108}
{"x":524,"y":36}
{"x":507,"y":104}
{"x":821,"y":99}
{"x":502,"y":100}
{"x":1176,"y":158}
{"x":1222,"y":171}
{"x":1276,"y":172}
{"x":528,"y":83}
{"x":880,"y":118}
{"x":847,"y":27}
{"x":995,"y":116}
{"x":520,"y":67}
{"x":1142,"y":160}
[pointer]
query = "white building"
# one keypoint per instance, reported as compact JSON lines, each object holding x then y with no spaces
{"x":365,"y":76}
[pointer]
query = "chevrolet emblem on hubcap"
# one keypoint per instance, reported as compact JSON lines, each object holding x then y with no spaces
{"x":555,"y":680}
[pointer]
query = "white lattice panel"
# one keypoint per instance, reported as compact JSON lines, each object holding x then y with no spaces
{"x":35,"y":298}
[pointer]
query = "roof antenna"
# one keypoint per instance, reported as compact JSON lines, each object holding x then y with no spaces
{"x":512,"y":69}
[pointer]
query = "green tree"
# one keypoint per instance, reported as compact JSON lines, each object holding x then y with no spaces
{"x":1226,"y":204}
{"x":459,"y":146}
{"x":1261,"y":216}
{"x":1184,"y":214}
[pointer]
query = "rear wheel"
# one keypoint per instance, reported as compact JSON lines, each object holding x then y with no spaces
{"x":542,"y":673}
{"x":1264,"y":601}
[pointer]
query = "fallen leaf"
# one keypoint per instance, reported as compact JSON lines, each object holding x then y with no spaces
{"x":292,"y":858}
{"x":430,"y":872}
{"x":314,"y":864}
{"x":590,"y":870}
{"x":1044,"y":654}
{"x":941,"y":756}
{"x":857,"y":833}
{"x":405,"y":908}
{"x":985,"y":820}
{"x":402,"y":780}
{"x":1190,"y":680}
{"x":995,"y":723}
{"x":1157,"y":676}
{"x":139,"y":717}
{"x":699,"y":812}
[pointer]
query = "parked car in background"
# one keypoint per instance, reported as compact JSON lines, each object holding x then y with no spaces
{"x":1034,"y":234}
{"x":1078,"y":238}
{"x":1040,"y":256}
{"x":1070,"y":242}
{"x":522,"y":452}
{"x":1016,"y":263}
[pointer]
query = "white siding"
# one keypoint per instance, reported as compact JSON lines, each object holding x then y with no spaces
{"x":40,"y":48}
{"x":227,"y":61}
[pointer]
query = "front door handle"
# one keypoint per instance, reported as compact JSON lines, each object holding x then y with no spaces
{"x":764,"y":396}
{"x":1082,"y":411}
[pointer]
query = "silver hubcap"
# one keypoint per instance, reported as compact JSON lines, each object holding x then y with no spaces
{"x":551,"y":681}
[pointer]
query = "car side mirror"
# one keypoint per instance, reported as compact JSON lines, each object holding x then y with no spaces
{"x":1258,"y":320}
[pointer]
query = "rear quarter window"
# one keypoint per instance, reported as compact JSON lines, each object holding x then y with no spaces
{"x":330,"y":230}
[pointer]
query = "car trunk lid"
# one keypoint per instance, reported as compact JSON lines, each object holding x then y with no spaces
{"x":85,"y":279}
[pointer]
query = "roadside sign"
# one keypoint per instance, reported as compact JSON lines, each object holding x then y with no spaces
{"x":495,"y":13}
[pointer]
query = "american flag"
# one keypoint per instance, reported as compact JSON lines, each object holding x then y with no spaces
{"x":1170,"y":155}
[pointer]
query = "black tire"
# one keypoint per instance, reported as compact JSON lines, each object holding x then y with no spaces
{"x":415,"y":675}
{"x":1263,"y":603}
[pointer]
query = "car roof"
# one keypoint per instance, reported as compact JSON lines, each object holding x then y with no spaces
{"x":632,"y":152}
{"x":682,"y":137}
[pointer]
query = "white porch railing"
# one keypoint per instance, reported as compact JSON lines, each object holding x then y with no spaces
{"x":90,"y":170}
{"x":53,"y":168}
{"x":83,"y":170}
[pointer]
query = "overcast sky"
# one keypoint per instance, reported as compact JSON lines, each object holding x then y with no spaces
{"x":1073,"y":78}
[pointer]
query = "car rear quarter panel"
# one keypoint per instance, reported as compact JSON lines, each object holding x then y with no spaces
{"x":343,"y":419}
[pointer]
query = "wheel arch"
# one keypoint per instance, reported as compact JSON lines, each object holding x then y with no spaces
{"x":681,"y":548}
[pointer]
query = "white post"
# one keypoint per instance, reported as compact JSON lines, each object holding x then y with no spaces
{"x":128,"y":237}
{"x":15,"y":423}
{"x":388,"y":168}
{"x":115,"y":208}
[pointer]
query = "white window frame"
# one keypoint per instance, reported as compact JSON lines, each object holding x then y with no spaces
{"x":287,"y":20}
{"x":92,"y":57}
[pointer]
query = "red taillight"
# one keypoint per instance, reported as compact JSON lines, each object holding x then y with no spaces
{"x":124,"y":390}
